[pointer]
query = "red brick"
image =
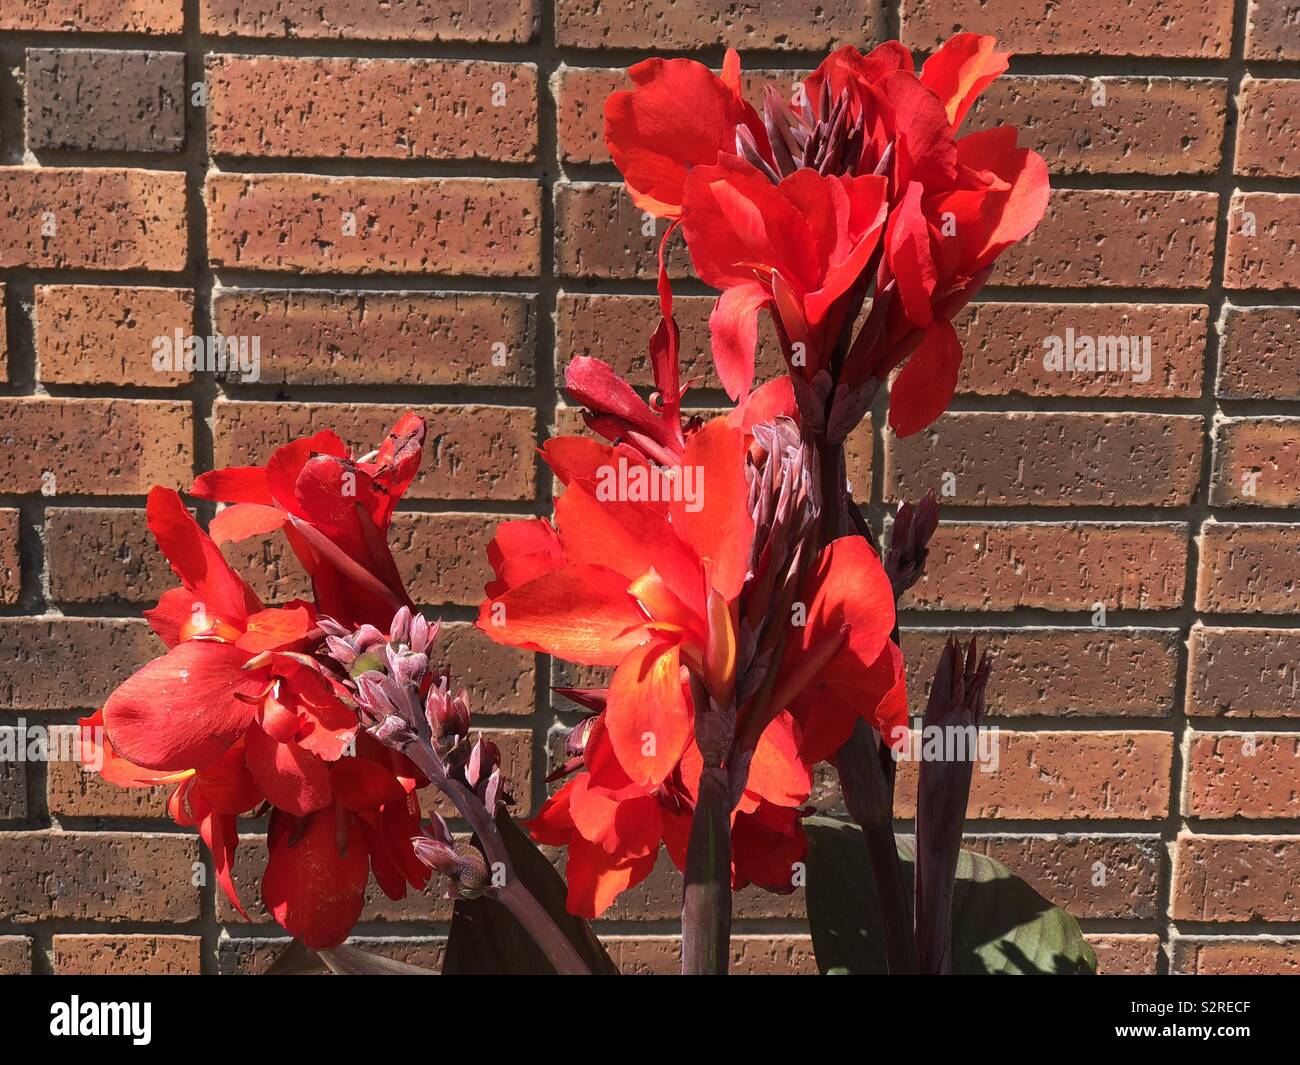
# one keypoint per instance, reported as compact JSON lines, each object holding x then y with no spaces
{"x":58,"y":663}
{"x":104,"y":334}
{"x":11,"y":578}
{"x":659,"y":898}
{"x":487,"y":227}
{"x":130,"y":955}
{"x":1199,"y":29}
{"x":1272,"y":30}
{"x":1053,"y":566}
{"x":1125,"y":955}
{"x":292,"y":107}
{"x":1236,"y":957}
{"x":95,"y":16}
{"x":15,"y":956}
{"x":1117,"y":239}
{"x":1140,"y":125}
{"x":76,"y":790}
{"x":1259,"y":354}
{"x":103,"y":554}
{"x":751,"y":955}
{"x":408,"y":338}
{"x":106,"y":218}
{"x":1015,"y":459}
{"x":1079,"y":672}
{"x":1249,"y":569}
{"x":1236,"y":878}
{"x":782,"y":25}
{"x":487,"y":21}
{"x":472,"y":452}
{"x":1242,"y":672}
{"x":93,"y":446}
{"x":1065,"y":776}
{"x":1242,"y":775}
{"x":1256,"y":462}
{"x":1266,"y":134}
{"x":1007,"y":346}
{"x":119,"y":876}
{"x":599,"y":234}
{"x":1262,"y":234}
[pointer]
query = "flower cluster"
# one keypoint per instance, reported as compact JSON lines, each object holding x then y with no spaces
{"x":243,"y":715}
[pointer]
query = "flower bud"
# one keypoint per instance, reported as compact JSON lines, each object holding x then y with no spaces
{"x":461,"y":863}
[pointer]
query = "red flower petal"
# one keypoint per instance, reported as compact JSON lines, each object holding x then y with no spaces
{"x":242,"y":520}
{"x":718,"y":524}
{"x":963,"y":67}
{"x":647,"y":715}
{"x":733,"y":327}
{"x":924,"y":387}
{"x":292,"y":779}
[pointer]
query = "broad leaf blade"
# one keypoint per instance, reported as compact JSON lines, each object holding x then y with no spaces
{"x":1000,"y":923}
{"x":485,"y":938}
{"x":347,"y":960}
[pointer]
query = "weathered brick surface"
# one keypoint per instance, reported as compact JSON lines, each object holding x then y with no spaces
{"x":93,"y":446}
{"x":1225,"y":956}
{"x":76,"y":790}
{"x":1065,"y":776}
{"x":319,"y":225}
{"x":600,"y":233}
{"x":1082,"y":672}
{"x":1168,"y":241}
{"x":1272,"y":31}
{"x":1266,"y":129}
{"x":1236,"y":878}
{"x":409,"y":338}
{"x":1256,"y":462}
{"x":1247,"y":569}
{"x":1075,"y":566}
{"x":61,"y":663}
{"x":1071,"y":459}
{"x":489,"y":21}
{"x":1143,"y":28}
{"x":1259,"y":354}
{"x":99,"y":876}
{"x":1243,"y":672}
{"x":96,"y":955}
{"x":1125,"y":955}
{"x":284,"y":106}
{"x":1262,"y":234}
{"x":96,"y":99}
{"x":472,"y":451}
{"x":13,"y":776}
{"x":105,"y":218}
{"x":108,"y":334}
{"x":94,"y":16}
{"x":1021,"y":349}
{"x":15,"y":956}
{"x":1242,"y":775}
{"x":10,"y":557}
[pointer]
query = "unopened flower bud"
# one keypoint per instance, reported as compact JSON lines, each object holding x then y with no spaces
{"x":461,"y":863}
{"x":400,"y":630}
{"x":908,"y":542}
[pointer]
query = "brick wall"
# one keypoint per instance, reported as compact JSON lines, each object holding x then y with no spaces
{"x":193,"y":164}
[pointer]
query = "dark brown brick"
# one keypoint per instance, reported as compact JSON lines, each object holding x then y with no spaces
{"x":409,"y":338}
{"x":1106,"y":125}
{"x":311,"y":107}
{"x":58,"y":663}
{"x":1015,"y":459}
{"x":1117,"y":239}
{"x":99,"y":876}
{"x":13,"y":774}
{"x":600,"y":233}
{"x":751,"y":955}
{"x":1259,"y":355}
{"x":1236,"y":878}
{"x":1242,"y":672}
{"x":93,"y":446}
{"x":105,"y":334}
{"x":1082,"y":672}
{"x":101,"y":100}
{"x":487,"y":21}
{"x":1263,"y":228}
{"x":129,"y":955}
{"x":105,"y":218}
{"x":1272,"y":30}
{"x":1256,"y":462}
{"x":1195,"y":28}
{"x":1053,"y":566}
{"x":1249,"y":569}
{"x":1008,"y":345}
{"x":15,"y":956}
{"x":314,"y":224}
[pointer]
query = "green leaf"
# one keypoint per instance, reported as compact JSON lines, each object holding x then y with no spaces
{"x":485,"y":938}
{"x":1000,"y":923}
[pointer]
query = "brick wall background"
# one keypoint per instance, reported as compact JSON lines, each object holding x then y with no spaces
{"x":1148,"y":776}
